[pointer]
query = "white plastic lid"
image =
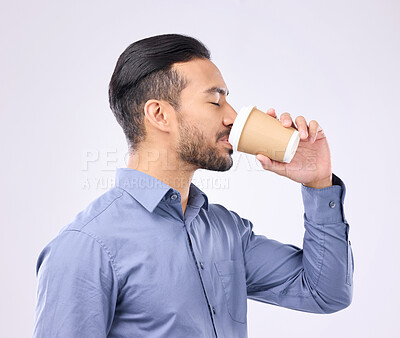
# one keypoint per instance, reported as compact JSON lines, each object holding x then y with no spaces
{"x":238,"y":125}
{"x":291,"y":147}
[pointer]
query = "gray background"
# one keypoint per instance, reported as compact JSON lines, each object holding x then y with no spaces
{"x":333,"y":61}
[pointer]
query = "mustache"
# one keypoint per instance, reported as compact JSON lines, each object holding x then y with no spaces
{"x":223,"y":134}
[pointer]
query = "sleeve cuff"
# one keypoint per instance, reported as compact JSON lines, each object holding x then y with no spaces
{"x":325,"y":205}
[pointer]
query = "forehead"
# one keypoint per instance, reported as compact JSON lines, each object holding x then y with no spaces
{"x":201,"y":75}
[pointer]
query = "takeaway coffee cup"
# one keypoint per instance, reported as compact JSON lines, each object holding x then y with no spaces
{"x":255,"y":132}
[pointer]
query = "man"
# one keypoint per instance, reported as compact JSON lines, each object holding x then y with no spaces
{"x":151,"y":257}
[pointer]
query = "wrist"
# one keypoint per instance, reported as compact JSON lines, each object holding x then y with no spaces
{"x":320,"y":184}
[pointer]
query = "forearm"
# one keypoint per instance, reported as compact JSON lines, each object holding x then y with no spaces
{"x":327,"y":256}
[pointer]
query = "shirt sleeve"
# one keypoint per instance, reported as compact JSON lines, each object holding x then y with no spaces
{"x":77,"y":288}
{"x":317,"y":278}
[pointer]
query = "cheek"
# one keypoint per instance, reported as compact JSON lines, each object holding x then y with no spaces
{"x":204,"y":119}
{"x":209,"y":128}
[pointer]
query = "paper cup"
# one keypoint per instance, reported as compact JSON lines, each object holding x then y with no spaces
{"x":255,"y":132}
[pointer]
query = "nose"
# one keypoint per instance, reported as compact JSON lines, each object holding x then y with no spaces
{"x":229,"y":116}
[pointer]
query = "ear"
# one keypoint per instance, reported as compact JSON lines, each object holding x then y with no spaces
{"x":157,"y":114}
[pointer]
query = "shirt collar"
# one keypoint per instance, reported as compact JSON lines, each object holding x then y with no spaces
{"x":197,"y":197}
{"x":149,"y":191}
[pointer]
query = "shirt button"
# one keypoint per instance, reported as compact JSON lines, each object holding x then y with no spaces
{"x":213,"y":309}
{"x":202,"y":265}
{"x":332,"y":204}
{"x":174,"y":197}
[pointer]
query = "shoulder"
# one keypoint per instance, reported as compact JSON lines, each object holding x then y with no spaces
{"x":107,"y":215}
{"x":98,"y":207}
{"x":98,"y":223}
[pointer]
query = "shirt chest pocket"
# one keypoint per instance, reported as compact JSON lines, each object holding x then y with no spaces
{"x":233,"y":280}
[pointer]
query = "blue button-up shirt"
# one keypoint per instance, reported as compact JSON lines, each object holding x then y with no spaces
{"x":133,"y":265}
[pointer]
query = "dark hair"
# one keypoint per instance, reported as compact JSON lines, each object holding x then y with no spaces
{"x":143,"y":72}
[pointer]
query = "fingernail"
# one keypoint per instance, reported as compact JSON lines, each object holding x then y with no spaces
{"x":303,"y":134}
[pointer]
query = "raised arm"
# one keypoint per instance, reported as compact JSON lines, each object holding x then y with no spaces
{"x":317,"y":278}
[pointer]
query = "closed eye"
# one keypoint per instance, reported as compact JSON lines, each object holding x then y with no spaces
{"x":216,"y":104}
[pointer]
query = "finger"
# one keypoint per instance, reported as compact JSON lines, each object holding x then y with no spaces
{"x":320,"y":134}
{"x":286,"y":120}
{"x":314,"y":128}
{"x":302,"y":127}
{"x":271,"y":112}
{"x":265,"y":161}
{"x":271,"y":165}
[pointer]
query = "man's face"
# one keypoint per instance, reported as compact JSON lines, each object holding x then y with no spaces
{"x":205,"y":117}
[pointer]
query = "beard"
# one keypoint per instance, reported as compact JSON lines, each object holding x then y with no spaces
{"x":194,"y":148}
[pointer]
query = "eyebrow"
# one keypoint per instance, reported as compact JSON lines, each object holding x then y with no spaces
{"x":219,"y":90}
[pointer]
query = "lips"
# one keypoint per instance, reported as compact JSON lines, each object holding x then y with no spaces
{"x":225,"y":139}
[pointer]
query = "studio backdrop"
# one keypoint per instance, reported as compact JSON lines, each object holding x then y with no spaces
{"x":336,"y":62}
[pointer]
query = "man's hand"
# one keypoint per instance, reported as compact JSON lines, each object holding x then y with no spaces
{"x":311,"y":164}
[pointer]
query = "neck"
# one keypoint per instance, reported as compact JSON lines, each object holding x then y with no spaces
{"x":164,"y":165}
